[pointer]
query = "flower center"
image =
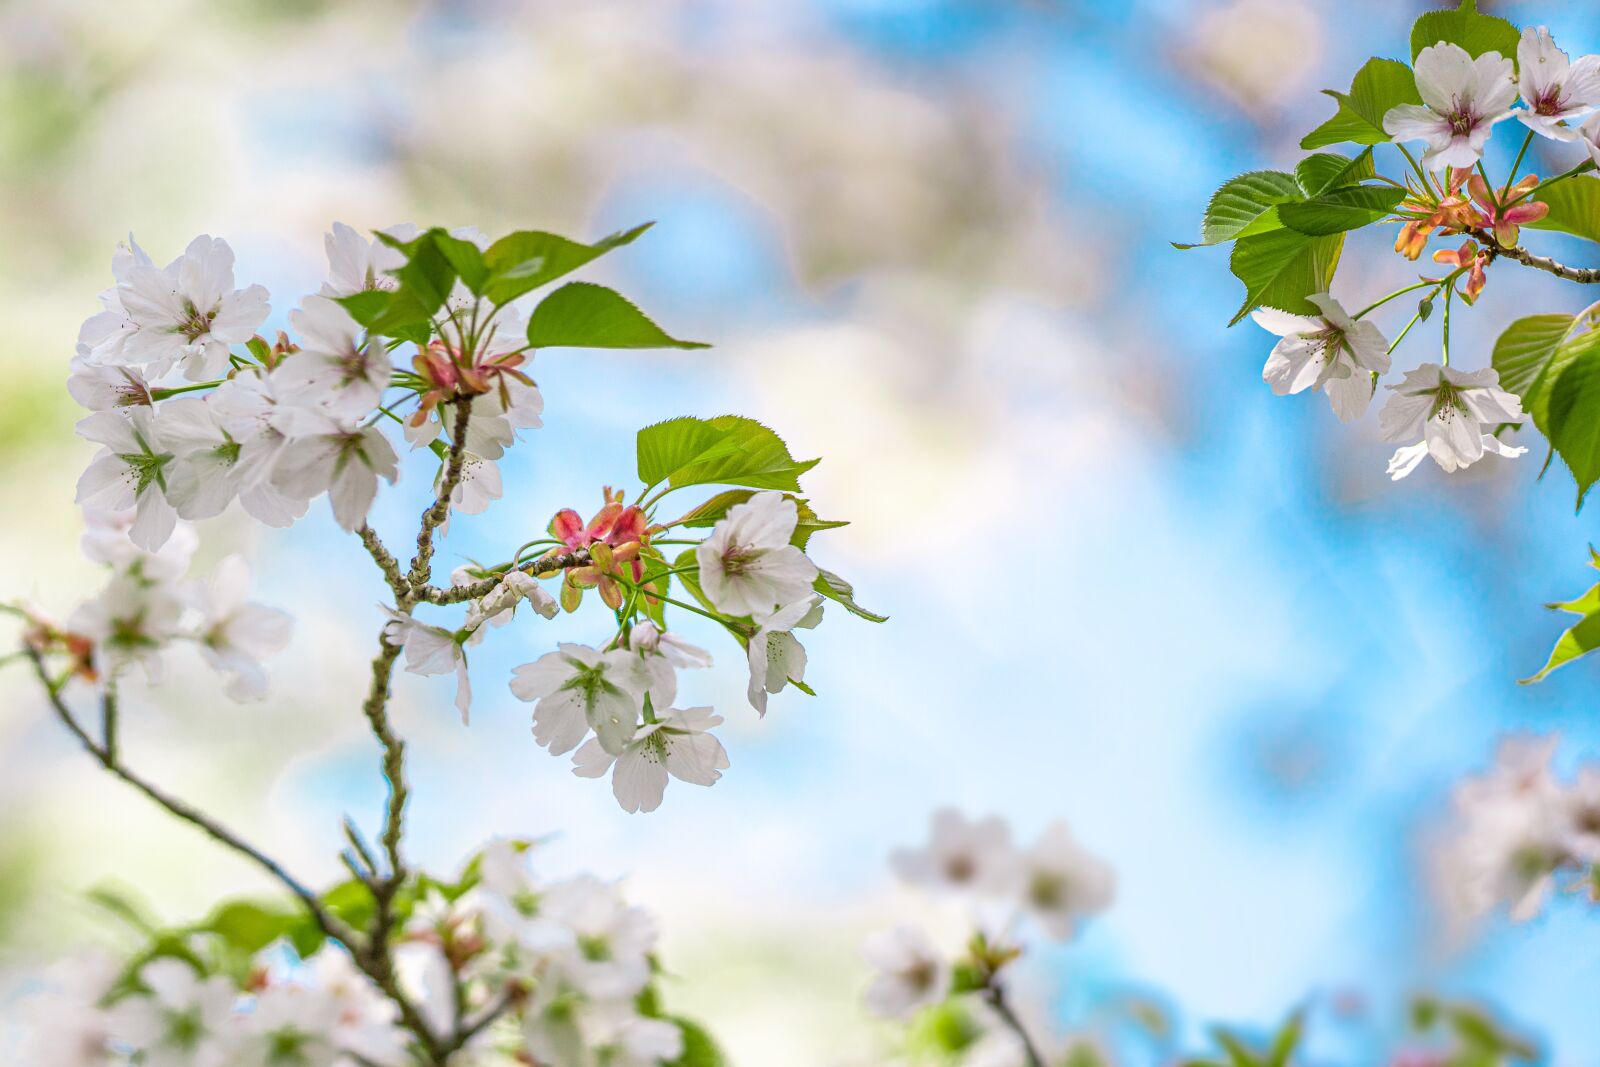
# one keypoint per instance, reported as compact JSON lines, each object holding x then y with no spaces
{"x":196,"y":323}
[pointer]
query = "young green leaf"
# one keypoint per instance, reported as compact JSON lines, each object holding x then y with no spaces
{"x":837,"y":589}
{"x":726,"y":450}
{"x":713,"y":510}
{"x":1328,"y":170}
{"x":1529,"y":355}
{"x":465,"y":257}
{"x":425,"y":281}
{"x":1573,"y":417}
{"x":1280,"y":269}
{"x":1574,"y":207}
{"x":1338,"y":210}
{"x":583,"y":315}
{"x":1465,"y":27}
{"x":1378,"y":86}
{"x":699,"y":1050}
{"x":1244,"y":206}
{"x":521,"y":262}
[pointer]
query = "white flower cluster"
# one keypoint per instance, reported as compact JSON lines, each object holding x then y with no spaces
{"x":563,"y":969}
{"x":1056,"y":883}
{"x":1518,"y":827}
{"x":1464,"y":97}
{"x":147,"y":605}
{"x":274,"y":431}
{"x":624,"y":695}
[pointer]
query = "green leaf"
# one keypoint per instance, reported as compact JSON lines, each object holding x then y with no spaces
{"x":1574,"y":415}
{"x":523,"y":261}
{"x":690,"y":579}
{"x":1286,"y":1041}
{"x":465,"y":258}
{"x":1243,"y":204}
{"x":726,"y":450}
{"x":1280,"y":269}
{"x":1329,"y":170}
{"x":1338,"y":210}
{"x":122,"y":904}
{"x":837,"y":589}
{"x":426,"y":279}
{"x":366,"y":306}
{"x":1465,"y":27}
{"x":1529,"y":355}
{"x":583,"y":315}
{"x":248,"y":926}
{"x":699,"y":1050}
{"x":1378,"y":86}
{"x":711,"y":511}
{"x":1574,"y":207}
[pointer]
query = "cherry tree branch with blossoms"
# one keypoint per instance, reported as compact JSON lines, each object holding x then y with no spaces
{"x":1466,"y":75}
{"x":194,"y":412}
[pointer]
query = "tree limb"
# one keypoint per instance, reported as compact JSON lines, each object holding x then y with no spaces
{"x":329,"y":924}
{"x":1516,"y":253}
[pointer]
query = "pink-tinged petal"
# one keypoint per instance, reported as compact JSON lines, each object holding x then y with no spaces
{"x":1526,"y":212}
{"x":567,"y":527}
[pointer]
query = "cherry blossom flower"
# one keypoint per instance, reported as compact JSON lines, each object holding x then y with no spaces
{"x":776,"y":656}
{"x":498,"y":606}
{"x":1449,"y":409}
{"x":1462,"y":99}
{"x":478,"y":487}
{"x":68,"y":1027}
{"x":1062,"y":883}
{"x":236,"y":634}
{"x":747,"y":565}
{"x":678,"y":744}
{"x":183,"y":1022}
{"x":105,"y":540}
{"x":576,"y":689}
{"x":187,"y":313}
{"x":1333,"y":353}
{"x":346,"y":464}
{"x":1553,"y":88}
{"x":613,"y":940}
{"x":432,"y":650}
{"x":131,"y":472}
{"x":961,"y":856}
{"x":366,"y":1021}
{"x":646,"y":638}
{"x":204,"y":476}
{"x":288,"y":1027}
{"x":911,"y":972}
{"x":357,"y":263}
{"x":131,"y":621}
{"x":102,"y":388}
{"x":1581,"y":816}
{"x":102,"y":335}
{"x":333,"y":367}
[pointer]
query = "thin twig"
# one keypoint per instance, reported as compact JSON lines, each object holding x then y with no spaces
{"x":1516,"y":253}
{"x":385,"y":561}
{"x":996,"y":997}
{"x":330,"y":925}
{"x":539,"y":568}
{"x":434,"y":517}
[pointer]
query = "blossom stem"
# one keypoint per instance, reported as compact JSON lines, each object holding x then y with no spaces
{"x":1398,"y":292}
{"x":1582,"y":168}
{"x":678,"y":603}
{"x":1449,"y":293}
{"x":996,"y":997}
{"x":179,"y":390}
{"x":1516,"y":166}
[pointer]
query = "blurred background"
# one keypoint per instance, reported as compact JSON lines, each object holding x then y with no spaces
{"x":929,"y":238}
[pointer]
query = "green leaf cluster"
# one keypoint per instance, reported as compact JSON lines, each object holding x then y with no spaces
{"x":577,"y":315}
{"x":1288,"y":229}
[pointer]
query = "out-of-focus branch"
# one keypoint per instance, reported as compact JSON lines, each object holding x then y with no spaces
{"x":106,"y":755}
